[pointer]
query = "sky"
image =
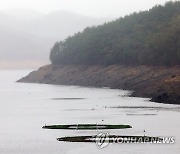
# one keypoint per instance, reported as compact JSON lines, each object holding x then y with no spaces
{"x":91,"y":8}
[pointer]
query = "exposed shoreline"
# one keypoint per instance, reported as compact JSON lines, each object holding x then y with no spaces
{"x":160,"y":83}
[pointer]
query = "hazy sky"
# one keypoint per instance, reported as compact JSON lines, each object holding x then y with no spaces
{"x":95,"y":8}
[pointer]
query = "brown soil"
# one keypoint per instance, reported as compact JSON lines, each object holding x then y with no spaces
{"x":160,"y":83}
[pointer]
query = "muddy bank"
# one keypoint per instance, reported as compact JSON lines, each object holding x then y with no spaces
{"x":162,"y":84}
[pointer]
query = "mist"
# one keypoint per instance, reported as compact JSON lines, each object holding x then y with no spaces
{"x":29,"y":29}
{"x":29,"y":40}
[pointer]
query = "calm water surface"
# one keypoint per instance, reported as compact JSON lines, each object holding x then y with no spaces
{"x":25,"y":108}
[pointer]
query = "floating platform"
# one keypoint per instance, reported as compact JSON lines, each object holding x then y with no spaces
{"x":112,"y":139}
{"x":87,"y":126}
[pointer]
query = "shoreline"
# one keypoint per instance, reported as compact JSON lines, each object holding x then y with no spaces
{"x":160,"y":83}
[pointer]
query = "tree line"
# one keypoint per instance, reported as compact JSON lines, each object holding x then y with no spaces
{"x":149,"y":37}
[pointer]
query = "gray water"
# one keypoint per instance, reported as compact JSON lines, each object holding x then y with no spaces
{"x":25,"y":108}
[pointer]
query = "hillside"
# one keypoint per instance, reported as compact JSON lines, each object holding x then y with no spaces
{"x":150,"y":37}
{"x":161,"y":84}
{"x":140,"y":52}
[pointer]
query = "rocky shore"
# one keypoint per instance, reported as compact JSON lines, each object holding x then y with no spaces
{"x":160,"y":83}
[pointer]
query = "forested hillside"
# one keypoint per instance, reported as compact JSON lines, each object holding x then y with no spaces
{"x":150,"y":37}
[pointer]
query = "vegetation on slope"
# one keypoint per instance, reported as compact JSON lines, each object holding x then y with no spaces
{"x":150,"y":37}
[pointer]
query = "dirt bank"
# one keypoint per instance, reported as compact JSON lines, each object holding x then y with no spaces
{"x":162,"y":84}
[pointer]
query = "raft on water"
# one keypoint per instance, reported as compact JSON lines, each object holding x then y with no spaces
{"x":112,"y":139}
{"x":87,"y":126}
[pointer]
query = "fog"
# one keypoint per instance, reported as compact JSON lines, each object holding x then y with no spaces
{"x":28,"y":29}
{"x":26,"y":42}
{"x":94,"y":8}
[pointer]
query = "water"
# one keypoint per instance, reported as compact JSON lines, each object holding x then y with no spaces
{"x":25,"y":108}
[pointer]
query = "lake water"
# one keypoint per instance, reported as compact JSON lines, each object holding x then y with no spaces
{"x":25,"y":108}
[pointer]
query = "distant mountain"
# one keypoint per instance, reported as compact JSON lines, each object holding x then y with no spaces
{"x":31,"y":38}
{"x":61,"y":24}
{"x":24,"y":14}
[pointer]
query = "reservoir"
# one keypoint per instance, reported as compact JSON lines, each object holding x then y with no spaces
{"x":25,"y":108}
